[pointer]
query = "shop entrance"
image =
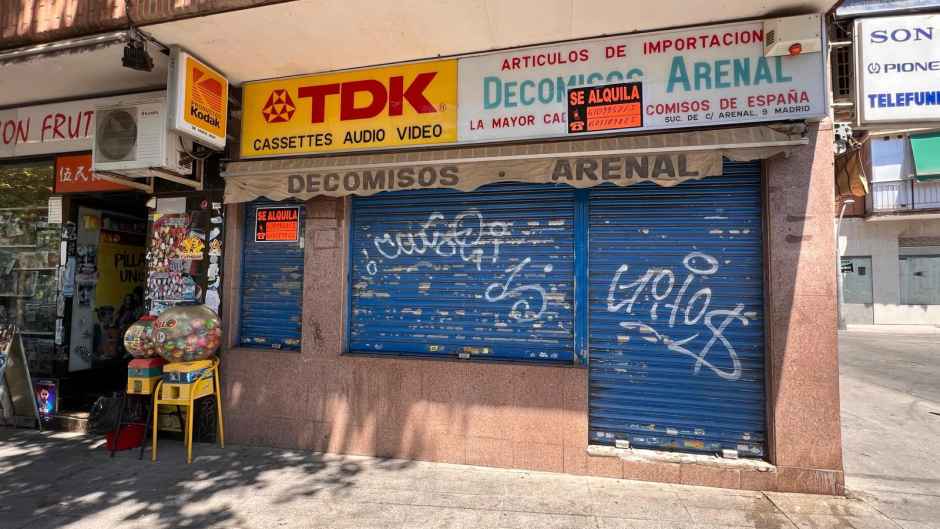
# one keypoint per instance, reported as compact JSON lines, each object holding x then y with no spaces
{"x":103,"y":286}
{"x":72,"y":279}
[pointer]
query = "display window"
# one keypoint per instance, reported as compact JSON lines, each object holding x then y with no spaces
{"x":29,"y":259}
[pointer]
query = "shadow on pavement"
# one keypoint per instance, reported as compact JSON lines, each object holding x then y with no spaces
{"x":50,"y":479}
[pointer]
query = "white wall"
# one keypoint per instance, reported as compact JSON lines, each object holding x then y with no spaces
{"x":879,"y":239}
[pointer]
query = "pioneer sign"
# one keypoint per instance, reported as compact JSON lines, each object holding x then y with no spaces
{"x":411,"y":104}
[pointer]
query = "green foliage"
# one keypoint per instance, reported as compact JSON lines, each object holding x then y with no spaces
{"x":25,"y":185}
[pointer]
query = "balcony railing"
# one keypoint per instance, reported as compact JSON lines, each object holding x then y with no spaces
{"x":904,"y":195}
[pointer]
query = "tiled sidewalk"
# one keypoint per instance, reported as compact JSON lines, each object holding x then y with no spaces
{"x":64,"y":480}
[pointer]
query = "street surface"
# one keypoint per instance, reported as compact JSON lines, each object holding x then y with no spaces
{"x":890,"y":385}
{"x":891,"y":429}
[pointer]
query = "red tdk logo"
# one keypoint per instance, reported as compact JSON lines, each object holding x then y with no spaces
{"x":279,"y":107}
{"x":390,"y":98}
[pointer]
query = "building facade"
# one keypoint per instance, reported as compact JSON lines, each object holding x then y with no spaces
{"x":599,"y":256}
{"x":86,"y":253}
{"x":888,"y":238}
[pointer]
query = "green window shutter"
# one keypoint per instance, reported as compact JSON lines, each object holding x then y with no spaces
{"x":926,"y":149}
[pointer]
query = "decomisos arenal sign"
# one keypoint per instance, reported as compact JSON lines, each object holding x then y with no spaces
{"x":694,"y":77}
{"x":697,"y":77}
{"x":898,"y":69}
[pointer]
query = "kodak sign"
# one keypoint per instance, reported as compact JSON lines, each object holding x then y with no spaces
{"x":394,"y":106}
{"x":198,"y":99}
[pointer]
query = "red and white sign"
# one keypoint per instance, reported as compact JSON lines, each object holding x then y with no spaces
{"x":73,"y":174}
{"x":48,"y":129}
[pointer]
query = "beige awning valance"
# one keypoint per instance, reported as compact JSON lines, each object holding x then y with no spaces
{"x":666,"y":159}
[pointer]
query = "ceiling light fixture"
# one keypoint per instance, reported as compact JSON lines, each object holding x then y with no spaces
{"x":136,"y":56}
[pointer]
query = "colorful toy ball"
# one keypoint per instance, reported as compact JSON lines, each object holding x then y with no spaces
{"x":138,"y":339}
{"x":187,"y":332}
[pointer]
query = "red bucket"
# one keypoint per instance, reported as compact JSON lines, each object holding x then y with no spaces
{"x":132,"y":436}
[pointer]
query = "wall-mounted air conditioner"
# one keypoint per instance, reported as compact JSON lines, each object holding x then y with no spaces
{"x":132,"y":140}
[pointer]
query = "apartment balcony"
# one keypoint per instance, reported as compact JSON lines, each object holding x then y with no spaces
{"x":901,"y":199}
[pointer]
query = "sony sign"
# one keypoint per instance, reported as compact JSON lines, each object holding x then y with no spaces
{"x":898,"y":69}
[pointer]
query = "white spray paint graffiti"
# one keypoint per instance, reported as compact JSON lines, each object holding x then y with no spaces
{"x":371,"y":267}
{"x":464,"y":237}
{"x":467,"y":237}
{"x":521,"y":310}
{"x":661,"y":283}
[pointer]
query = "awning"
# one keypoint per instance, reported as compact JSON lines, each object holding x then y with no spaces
{"x":926,"y":150}
{"x":666,"y":159}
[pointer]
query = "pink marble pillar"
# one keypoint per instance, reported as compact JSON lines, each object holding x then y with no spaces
{"x":803,"y":368}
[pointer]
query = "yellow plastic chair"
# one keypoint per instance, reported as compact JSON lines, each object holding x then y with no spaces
{"x":184,"y":395}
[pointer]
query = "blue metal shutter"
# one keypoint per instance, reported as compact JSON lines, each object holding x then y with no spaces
{"x":441,"y":272}
{"x":676,"y":314}
{"x":272,"y":286}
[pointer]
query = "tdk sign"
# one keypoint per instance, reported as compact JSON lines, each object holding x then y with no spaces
{"x":880,"y":36}
{"x":899,"y":69}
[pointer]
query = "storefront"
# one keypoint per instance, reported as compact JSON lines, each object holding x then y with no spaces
{"x":85,"y":254}
{"x":576,"y":258}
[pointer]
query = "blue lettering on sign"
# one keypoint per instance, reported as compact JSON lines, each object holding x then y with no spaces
{"x":725,"y":73}
{"x":499,"y":93}
{"x":880,"y":36}
{"x":904,"y":99}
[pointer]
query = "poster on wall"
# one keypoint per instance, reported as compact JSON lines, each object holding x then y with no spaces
{"x":177,"y":245}
{"x":46,"y":393}
{"x":694,"y":77}
{"x":119,"y":296}
{"x":82,"y":335}
{"x":609,"y":107}
{"x":277,"y":224}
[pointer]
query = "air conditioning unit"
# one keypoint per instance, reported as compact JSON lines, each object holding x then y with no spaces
{"x":132,"y":139}
{"x":792,"y":35}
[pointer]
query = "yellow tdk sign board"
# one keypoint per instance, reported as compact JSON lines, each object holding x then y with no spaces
{"x":198,"y":99}
{"x":408,"y":104}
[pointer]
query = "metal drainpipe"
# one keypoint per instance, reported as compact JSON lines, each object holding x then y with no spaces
{"x":845,"y":203}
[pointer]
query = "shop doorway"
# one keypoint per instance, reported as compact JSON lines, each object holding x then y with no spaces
{"x":857,"y":306}
{"x":103,"y":286}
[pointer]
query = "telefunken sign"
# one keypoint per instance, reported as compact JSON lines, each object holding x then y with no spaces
{"x":696,"y":77}
{"x":898,"y":62}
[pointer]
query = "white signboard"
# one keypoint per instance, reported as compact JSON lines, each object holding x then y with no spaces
{"x":689,"y":78}
{"x":47,"y":129}
{"x":898,"y":69}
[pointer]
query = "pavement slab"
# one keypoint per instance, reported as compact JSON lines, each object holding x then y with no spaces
{"x":891,"y":424}
{"x":58,"y":480}
{"x":68,"y":481}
